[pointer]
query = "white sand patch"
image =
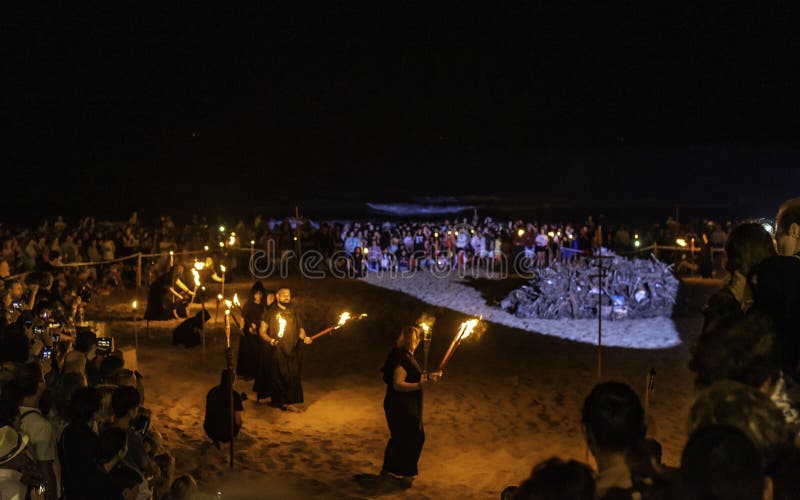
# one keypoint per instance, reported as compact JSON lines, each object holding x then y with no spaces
{"x":451,"y":292}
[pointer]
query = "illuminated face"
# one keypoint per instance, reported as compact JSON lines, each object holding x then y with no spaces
{"x":284,"y":296}
{"x":257,"y":297}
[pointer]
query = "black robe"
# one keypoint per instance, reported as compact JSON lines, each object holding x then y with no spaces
{"x":404,"y":416}
{"x":285,"y":385}
{"x":247,"y":358}
{"x":262,"y":385}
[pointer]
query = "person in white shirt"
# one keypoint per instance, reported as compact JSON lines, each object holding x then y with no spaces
{"x":40,"y":432}
{"x":12,"y":462}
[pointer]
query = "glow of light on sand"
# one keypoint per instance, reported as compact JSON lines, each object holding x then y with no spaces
{"x":281,"y":325}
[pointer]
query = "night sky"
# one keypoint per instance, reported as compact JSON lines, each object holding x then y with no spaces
{"x":243,"y":106}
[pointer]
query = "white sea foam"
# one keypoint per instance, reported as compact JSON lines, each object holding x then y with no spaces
{"x":453,"y":293}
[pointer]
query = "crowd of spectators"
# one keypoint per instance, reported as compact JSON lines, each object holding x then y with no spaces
{"x":73,"y":420}
{"x":367,"y":246}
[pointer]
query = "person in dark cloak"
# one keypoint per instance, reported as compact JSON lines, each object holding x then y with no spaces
{"x":253,"y":309}
{"x":217,"y":420}
{"x":188,"y":332}
{"x":162,"y":301}
{"x":282,"y":327}
{"x":403,"y":407}
{"x":262,"y":385}
{"x":776,"y":286}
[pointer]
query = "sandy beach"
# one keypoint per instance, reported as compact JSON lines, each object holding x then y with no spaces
{"x":507,"y":401}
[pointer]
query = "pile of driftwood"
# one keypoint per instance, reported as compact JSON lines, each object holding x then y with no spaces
{"x":631,"y":288}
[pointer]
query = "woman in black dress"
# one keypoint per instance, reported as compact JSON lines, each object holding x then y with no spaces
{"x":403,"y":406}
{"x":249,"y":342}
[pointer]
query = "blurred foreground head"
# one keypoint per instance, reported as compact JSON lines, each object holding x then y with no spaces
{"x":787,"y":227}
{"x":555,"y":479}
{"x":720,"y":463}
{"x":613,"y":418}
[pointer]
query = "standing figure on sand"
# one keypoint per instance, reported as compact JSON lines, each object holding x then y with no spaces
{"x":282,"y":328}
{"x":250,"y":343}
{"x":403,"y":407}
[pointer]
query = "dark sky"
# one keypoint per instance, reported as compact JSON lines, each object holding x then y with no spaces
{"x":138,"y":104}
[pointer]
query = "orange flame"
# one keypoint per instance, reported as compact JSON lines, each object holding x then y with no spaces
{"x":281,"y":325}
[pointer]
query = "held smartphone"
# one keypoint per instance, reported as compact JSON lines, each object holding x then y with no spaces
{"x":142,"y":424}
{"x":104,"y":345}
{"x":39,"y":329}
{"x":16,"y":304}
{"x":46,"y":353}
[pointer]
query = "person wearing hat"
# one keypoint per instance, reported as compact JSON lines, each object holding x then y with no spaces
{"x":12,"y":462}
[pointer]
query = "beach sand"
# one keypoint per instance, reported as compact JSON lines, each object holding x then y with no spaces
{"x":507,"y":400}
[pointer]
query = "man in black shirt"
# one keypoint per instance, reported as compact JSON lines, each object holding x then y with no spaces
{"x":282,"y":327}
{"x":217,"y":422}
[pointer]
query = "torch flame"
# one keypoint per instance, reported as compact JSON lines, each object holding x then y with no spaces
{"x":343,"y":318}
{"x":467,"y":328}
{"x":199,"y":265}
{"x":236,"y":300}
{"x":425,"y":327}
{"x":222,"y":268}
{"x":196,"y":276}
{"x":281,"y":325}
{"x":135,"y":305}
{"x":228,"y":304}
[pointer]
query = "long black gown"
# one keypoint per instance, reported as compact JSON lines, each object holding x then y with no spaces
{"x":404,"y":416}
{"x":287,"y":387}
{"x":249,"y":343}
{"x":262,"y":385}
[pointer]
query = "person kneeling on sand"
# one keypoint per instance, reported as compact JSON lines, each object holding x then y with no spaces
{"x":217,"y":423}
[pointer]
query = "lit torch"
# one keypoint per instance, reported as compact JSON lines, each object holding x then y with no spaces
{"x":343,"y":318}
{"x":425,"y":324}
{"x":464,"y":331}
{"x":228,"y":328}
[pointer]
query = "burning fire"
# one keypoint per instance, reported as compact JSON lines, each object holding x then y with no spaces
{"x":199,"y":265}
{"x":135,"y":305}
{"x":425,"y":327}
{"x":281,"y":325}
{"x":196,"y":275}
{"x":236,"y":300}
{"x":467,"y":328}
{"x":228,"y":304}
{"x":343,"y":318}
